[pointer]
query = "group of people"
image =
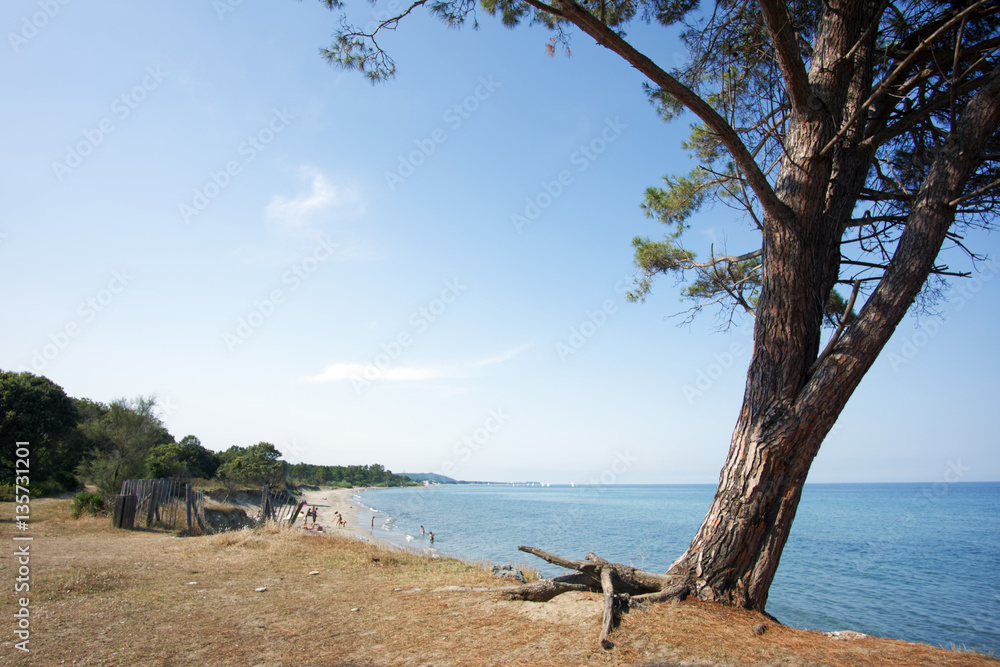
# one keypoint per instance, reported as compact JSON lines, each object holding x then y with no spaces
{"x":311,"y":514}
{"x":309,"y":521}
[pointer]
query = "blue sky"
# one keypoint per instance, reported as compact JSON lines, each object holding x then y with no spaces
{"x":198,"y":207}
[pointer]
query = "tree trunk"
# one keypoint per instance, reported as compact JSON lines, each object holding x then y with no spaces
{"x":788,"y":408}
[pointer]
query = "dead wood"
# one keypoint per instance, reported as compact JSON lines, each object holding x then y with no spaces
{"x":546,"y":589}
{"x":619,"y":583}
{"x":608,"y":584}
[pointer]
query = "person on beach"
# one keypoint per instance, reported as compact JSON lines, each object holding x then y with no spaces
{"x":422,"y":533}
{"x":432,"y":537}
{"x":373,"y":522}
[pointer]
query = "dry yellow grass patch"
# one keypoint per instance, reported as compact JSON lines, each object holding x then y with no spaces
{"x":106,"y":597}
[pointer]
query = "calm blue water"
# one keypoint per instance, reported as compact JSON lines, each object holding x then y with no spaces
{"x":918,"y":562}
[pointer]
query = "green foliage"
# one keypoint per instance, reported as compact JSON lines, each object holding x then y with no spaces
{"x":347,"y":476}
{"x":66,"y":480}
{"x":86,"y":502}
{"x":123,"y":435}
{"x":165,"y":461}
{"x":654,"y":257}
{"x":257,"y":464}
{"x":34,"y":409}
{"x":199,"y":461}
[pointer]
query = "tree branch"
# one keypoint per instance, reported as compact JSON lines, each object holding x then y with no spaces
{"x":542,"y":7}
{"x":774,"y":208}
{"x":897,"y":71}
{"x":779,"y":26}
{"x":607,"y":623}
{"x":913,"y":260}
{"x":840,"y":328}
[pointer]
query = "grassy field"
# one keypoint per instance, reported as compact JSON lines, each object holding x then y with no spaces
{"x":100,"y":596}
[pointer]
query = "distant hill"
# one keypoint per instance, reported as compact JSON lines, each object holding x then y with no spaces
{"x":429,"y":476}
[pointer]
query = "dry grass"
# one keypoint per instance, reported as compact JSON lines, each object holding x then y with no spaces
{"x":106,"y":597}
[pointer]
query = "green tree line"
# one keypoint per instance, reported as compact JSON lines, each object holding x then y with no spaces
{"x":367,"y":475}
{"x":75,"y":440}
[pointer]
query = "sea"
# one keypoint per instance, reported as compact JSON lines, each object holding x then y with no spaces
{"x":916,"y":562}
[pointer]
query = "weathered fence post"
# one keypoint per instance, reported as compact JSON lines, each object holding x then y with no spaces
{"x":123,"y":513}
{"x":188,"y":499}
{"x":265,"y":502}
{"x":295,"y":514}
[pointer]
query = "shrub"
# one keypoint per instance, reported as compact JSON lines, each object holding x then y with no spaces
{"x":49,"y":488}
{"x":88,"y":502}
{"x":35,"y":490}
{"x":66,"y":480}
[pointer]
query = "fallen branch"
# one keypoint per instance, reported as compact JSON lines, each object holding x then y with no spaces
{"x":618,"y":583}
{"x":608,"y":584}
{"x":546,"y":589}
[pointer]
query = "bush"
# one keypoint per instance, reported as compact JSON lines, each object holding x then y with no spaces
{"x":6,"y":493}
{"x":49,"y":488}
{"x":88,"y":502}
{"x":66,"y":480}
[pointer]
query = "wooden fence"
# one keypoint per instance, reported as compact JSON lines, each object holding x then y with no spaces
{"x":161,"y":503}
{"x":278,"y":506}
{"x":166,"y":503}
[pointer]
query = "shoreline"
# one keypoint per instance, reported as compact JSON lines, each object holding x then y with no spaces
{"x":268,"y":590}
{"x":358,"y":515}
{"x":330,"y":500}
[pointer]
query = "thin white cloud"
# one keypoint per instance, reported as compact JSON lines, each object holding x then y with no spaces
{"x":302,"y":210}
{"x":500,"y":358}
{"x":394,"y":373}
{"x":339,"y":372}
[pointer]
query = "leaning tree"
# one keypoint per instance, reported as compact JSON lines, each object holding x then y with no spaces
{"x":859,"y":137}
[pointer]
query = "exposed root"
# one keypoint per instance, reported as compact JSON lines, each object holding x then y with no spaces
{"x":623,"y":586}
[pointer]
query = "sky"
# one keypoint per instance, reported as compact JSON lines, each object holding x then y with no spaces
{"x":428,"y":274}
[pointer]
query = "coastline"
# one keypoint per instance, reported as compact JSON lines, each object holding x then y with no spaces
{"x":385,"y":608}
{"x":329,"y":500}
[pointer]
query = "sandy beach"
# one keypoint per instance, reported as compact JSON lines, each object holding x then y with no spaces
{"x":328,"y":501}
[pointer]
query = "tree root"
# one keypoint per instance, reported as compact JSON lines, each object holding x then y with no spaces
{"x":623,"y":586}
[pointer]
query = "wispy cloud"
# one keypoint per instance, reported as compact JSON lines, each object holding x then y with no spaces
{"x":398,"y":373}
{"x":502,"y":357}
{"x":302,"y":210}
{"x":338,"y":372}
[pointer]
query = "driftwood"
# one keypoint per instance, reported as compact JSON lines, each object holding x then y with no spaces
{"x":623,"y":586}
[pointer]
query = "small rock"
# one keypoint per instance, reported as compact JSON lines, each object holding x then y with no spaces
{"x":261,"y":589}
{"x":314,"y":572}
{"x":397,"y":589}
{"x":759,"y":629}
{"x":356,"y":609}
{"x":192,"y":583}
{"x":509,"y":572}
{"x":845,"y":634}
